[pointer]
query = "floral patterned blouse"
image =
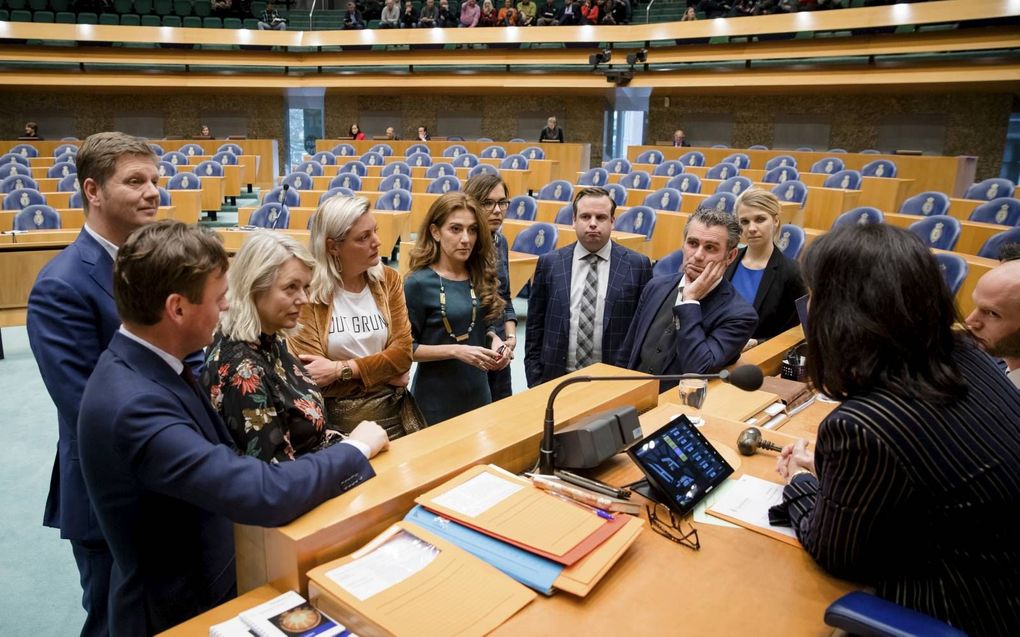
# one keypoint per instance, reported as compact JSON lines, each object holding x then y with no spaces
{"x":271,"y":406}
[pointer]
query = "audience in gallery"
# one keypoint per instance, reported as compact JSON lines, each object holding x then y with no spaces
{"x":679,"y":139}
{"x":551,"y":132}
{"x":469,"y":14}
{"x":429,"y":15}
{"x":549,"y":14}
{"x":270,"y":20}
{"x":354,"y":336}
{"x":995,"y":320}
{"x":453,"y":303}
{"x":761,"y":274}
{"x":489,"y":17}
{"x":927,"y":416}
{"x":583,"y":295}
{"x":355,"y":132}
{"x":389,"y":18}
{"x":423,"y":134}
{"x":689,"y":15}
{"x":526,"y":13}
{"x":270,"y":405}
{"x":391,"y":133}
{"x":692,"y":321}
{"x":31,"y":131}
{"x":167,"y":481}
{"x":445,"y":18}
{"x":409,"y":19}
{"x":353,"y":21}
{"x":205,"y":132}
{"x":507,"y":15}
{"x":492,"y":194}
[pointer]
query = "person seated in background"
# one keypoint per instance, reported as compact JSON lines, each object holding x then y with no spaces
{"x":679,"y":139}
{"x":223,"y":7}
{"x":571,"y":14}
{"x":548,"y":14}
{"x":526,"y":12}
{"x":355,"y":132}
{"x":551,"y":132}
{"x":910,"y":476}
{"x":270,"y":20}
{"x":620,"y":11}
{"x":31,"y":131}
{"x":205,"y":132}
{"x":369,"y":9}
{"x":354,"y":339}
{"x":445,"y":19}
{"x":353,"y":21}
{"x":408,"y":20}
{"x":429,"y":15}
{"x":590,"y":12}
{"x":272,"y":408}
{"x":489,"y":17}
{"x":389,"y":18}
{"x":469,"y":14}
{"x":507,"y":16}
{"x":761,"y":274}
{"x":423,"y":131}
{"x":167,"y":481}
{"x":692,"y":321}
{"x":690,"y":15}
{"x":391,"y":133}
{"x":995,"y":321}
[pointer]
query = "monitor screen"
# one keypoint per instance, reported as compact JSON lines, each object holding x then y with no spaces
{"x":680,"y":464}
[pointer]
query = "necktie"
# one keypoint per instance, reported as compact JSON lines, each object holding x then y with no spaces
{"x":586,"y":321}
{"x":189,"y":378}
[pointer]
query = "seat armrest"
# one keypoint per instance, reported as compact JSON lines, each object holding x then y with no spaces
{"x":860,"y":613}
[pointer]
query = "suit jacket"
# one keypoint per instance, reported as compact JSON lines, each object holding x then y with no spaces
{"x":71,"y":319}
{"x":911,"y":498}
{"x":548,"y":326}
{"x":775,"y":302}
{"x":167,"y":482}
{"x":711,"y":333}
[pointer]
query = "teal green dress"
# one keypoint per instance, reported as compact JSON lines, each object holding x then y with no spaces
{"x":444,"y":389}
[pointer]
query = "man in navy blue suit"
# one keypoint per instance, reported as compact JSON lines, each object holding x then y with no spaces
{"x":693,"y":321}
{"x":71,"y":319}
{"x":583,"y":296}
{"x":158,"y":462}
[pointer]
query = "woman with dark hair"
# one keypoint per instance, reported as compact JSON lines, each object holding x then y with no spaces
{"x":491,"y":193}
{"x":761,"y":273}
{"x":914,"y":473}
{"x":355,"y":133}
{"x":453,"y":304}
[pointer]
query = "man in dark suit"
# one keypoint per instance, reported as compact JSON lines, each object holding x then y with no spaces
{"x":159,"y":463}
{"x":693,"y":321}
{"x":583,"y":296}
{"x":71,"y":319}
{"x":679,"y":139}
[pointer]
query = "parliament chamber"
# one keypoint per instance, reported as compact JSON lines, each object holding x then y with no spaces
{"x":904,"y":114}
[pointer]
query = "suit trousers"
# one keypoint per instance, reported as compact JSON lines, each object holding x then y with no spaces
{"x":95,"y":562}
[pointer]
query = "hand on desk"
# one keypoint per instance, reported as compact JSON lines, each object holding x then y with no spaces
{"x":372,"y":435}
{"x":795,"y":458}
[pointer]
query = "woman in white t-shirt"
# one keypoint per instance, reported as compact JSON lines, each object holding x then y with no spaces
{"x":354,"y":337}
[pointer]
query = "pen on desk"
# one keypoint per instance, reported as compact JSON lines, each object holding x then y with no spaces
{"x":593,"y":485}
{"x":565,"y":492}
{"x":605,"y":515}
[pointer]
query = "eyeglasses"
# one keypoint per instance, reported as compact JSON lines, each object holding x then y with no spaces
{"x":676,"y":530}
{"x":491,"y":204}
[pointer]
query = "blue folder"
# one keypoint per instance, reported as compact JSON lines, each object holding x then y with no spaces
{"x":527,"y":568}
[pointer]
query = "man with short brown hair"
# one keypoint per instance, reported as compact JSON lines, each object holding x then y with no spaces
{"x":71,"y":319}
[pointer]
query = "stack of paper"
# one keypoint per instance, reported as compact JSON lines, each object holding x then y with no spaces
{"x":408,"y":581}
{"x":287,"y":614}
{"x":747,"y":501}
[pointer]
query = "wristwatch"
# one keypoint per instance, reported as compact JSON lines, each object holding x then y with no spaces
{"x":346,"y":373}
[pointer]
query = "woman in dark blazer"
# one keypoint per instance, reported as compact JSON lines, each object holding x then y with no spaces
{"x":912,"y":475}
{"x":761,"y":273}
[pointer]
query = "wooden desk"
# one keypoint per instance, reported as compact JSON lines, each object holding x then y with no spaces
{"x":669,"y":589}
{"x":199,"y":626}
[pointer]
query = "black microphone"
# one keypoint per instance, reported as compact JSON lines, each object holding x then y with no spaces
{"x":745,"y":377}
{"x":750,"y":441}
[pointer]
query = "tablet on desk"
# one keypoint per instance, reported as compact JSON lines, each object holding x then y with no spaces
{"x":680,"y":465}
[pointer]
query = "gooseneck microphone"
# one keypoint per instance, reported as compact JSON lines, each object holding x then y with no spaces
{"x":745,"y":377}
{"x":750,"y":440}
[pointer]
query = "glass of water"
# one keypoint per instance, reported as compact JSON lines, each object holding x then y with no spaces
{"x":693,"y":393}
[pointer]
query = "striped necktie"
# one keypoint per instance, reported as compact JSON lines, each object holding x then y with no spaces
{"x":586,"y":320}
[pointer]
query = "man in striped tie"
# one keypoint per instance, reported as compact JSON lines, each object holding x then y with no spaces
{"x":584,"y":294}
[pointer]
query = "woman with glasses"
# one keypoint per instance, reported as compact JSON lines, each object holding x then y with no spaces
{"x":491,"y":192}
{"x":454,"y":306}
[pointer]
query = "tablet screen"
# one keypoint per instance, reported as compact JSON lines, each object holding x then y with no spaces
{"x":680,"y":464}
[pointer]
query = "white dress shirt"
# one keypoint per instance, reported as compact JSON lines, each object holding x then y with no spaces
{"x":103,"y":241}
{"x":578,"y":276}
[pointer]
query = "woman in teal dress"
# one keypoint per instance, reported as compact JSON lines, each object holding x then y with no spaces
{"x":453,"y":304}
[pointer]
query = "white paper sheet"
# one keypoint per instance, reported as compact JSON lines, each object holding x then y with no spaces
{"x":477,"y":495}
{"x":749,"y":499}
{"x":701,"y":517}
{"x":388,"y":564}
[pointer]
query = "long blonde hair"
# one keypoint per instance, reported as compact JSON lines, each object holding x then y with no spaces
{"x":760,"y":200}
{"x":333,"y":220}
{"x":481,"y":264}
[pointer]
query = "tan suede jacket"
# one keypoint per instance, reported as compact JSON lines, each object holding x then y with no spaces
{"x":376,"y":369}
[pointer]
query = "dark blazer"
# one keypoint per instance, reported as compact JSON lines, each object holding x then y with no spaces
{"x":548,"y":325}
{"x":71,"y":319}
{"x":503,"y":272}
{"x":711,"y":335}
{"x":775,"y":302}
{"x":913,"y":498}
{"x":167,"y":483}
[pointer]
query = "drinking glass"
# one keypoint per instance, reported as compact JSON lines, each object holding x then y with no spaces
{"x":693,"y":393}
